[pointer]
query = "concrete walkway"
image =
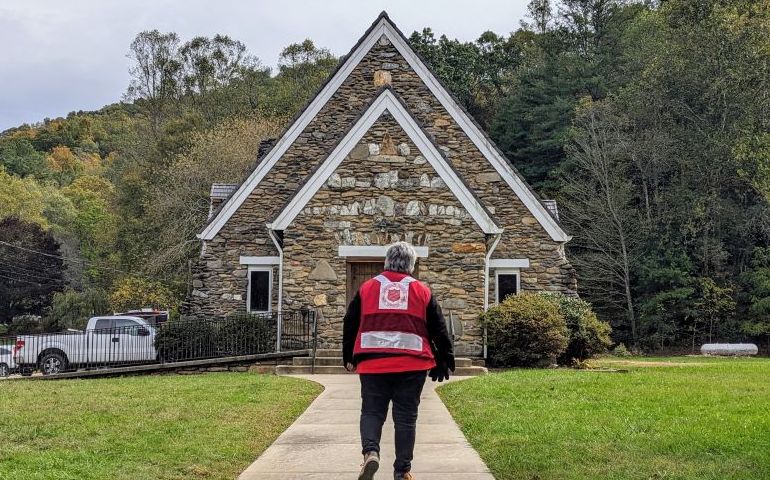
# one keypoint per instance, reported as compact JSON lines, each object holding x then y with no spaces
{"x":323,"y":443}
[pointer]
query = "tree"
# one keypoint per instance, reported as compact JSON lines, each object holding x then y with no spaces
{"x":477,"y":73}
{"x":302,"y":69}
{"x":155,"y":71}
{"x":180,"y":203}
{"x":599,"y":209}
{"x":756,"y":287}
{"x":19,"y":157}
{"x":30,"y":268}
{"x":72,"y":309}
{"x":210,"y":63}
{"x":134,"y":292}
{"x":541,"y":14}
{"x":64,"y":165}
{"x":31,"y":202}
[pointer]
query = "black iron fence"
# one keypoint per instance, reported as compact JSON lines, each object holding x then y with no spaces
{"x":128,"y":342}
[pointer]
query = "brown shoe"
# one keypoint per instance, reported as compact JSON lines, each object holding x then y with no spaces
{"x":403,"y":476}
{"x":370,"y":466}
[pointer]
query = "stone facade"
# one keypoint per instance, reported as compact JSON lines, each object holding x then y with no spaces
{"x":383,"y":191}
{"x":376,"y":197}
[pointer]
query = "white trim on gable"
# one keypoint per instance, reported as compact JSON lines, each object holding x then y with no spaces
{"x":385,"y":28}
{"x":387,"y":101}
{"x":375,"y":251}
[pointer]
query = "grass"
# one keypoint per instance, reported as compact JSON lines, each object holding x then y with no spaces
{"x":208,"y":426}
{"x":666,"y":418}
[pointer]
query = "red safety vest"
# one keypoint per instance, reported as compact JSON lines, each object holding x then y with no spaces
{"x":393,"y":318}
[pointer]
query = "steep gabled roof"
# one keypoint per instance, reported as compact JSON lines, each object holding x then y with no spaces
{"x":383,"y":27}
{"x":386,"y":101}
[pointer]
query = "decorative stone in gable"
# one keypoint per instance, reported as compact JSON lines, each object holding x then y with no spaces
{"x":387,"y":147}
{"x":381,"y":77}
{"x":323,"y":272}
{"x":469,"y":248}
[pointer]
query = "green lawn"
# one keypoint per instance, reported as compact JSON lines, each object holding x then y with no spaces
{"x":666,"y":418}
{"x":150,"y":427}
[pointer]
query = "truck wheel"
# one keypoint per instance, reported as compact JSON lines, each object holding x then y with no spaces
{"x":4,"y":370}
{"x":52,"y":363}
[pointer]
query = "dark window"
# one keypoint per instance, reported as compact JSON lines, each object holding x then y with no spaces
{"x":4,"y":351}
{"x":126,"y":326}
{"x":122,"y":322}
{"x":103,"y":324}
{"x":259,"y":291}
{"x":506,"y":285}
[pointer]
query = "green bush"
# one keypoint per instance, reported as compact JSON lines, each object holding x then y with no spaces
{"x":525,"y":330}
{"x":246,"y":334}
{"x":26,"y":325}
{"x":186,"y":339}
{"x":72,"y":309}
{"x":588,"y":336}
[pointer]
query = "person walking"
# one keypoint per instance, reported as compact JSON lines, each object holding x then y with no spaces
{"x":394,"y":335}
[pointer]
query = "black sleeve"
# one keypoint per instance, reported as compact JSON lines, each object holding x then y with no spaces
{"x":350,"y":325}
{"x":439,"y":336}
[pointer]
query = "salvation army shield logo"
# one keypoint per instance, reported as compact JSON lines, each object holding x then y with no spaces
{"x":394,"y":296}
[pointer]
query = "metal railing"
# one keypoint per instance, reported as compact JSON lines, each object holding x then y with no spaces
{"x":174,"y":341}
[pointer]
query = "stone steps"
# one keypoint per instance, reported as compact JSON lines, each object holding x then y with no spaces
{"x":329,"y":352}
{"x":337,"y":361}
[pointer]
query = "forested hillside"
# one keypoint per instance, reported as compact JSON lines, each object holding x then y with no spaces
{"x":647,"y":121}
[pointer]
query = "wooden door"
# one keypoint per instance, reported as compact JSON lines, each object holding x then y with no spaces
{"x":362,"y":270}
{"x":359,"y":272}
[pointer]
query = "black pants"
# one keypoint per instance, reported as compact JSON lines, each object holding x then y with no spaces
{"x":377,"y":391}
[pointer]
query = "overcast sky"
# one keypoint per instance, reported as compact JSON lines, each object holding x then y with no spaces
{"x":60,"y":56}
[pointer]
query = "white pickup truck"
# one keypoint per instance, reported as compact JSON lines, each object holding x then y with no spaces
{"x":106,"y":341}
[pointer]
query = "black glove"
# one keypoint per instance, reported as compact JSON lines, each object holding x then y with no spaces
{"x":439,"y":373}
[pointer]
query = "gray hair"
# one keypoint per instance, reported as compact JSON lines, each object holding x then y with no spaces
{"x":401,"y":257}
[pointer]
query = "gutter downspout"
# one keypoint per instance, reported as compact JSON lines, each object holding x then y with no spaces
{"x":279,"y":325}
{"x":486,"y":282}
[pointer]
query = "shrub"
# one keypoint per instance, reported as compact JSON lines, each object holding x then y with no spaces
{"x":588,"y":336}
{"x":26,"y":325}
{"x":525,"y":330}
{"x":621,"y":351}
{"x":185,"y":339}
{"x":3,"y":329}
{"x":246,"y":334}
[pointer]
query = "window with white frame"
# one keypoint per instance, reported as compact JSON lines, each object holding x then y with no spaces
{"x":507,"y":282}
{"x":260,"y":290}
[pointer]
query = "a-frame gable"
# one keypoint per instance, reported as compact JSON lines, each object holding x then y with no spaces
{"x":386,"y":102}
{"x":384,"y":28}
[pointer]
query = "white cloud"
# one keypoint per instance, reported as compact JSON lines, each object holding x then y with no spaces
{"x":64,"y":56}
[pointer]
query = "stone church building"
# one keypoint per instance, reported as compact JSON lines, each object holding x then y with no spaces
{"x":382,"y":153}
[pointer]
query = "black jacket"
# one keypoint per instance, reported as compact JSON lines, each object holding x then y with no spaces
{"x":438,"y":335}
